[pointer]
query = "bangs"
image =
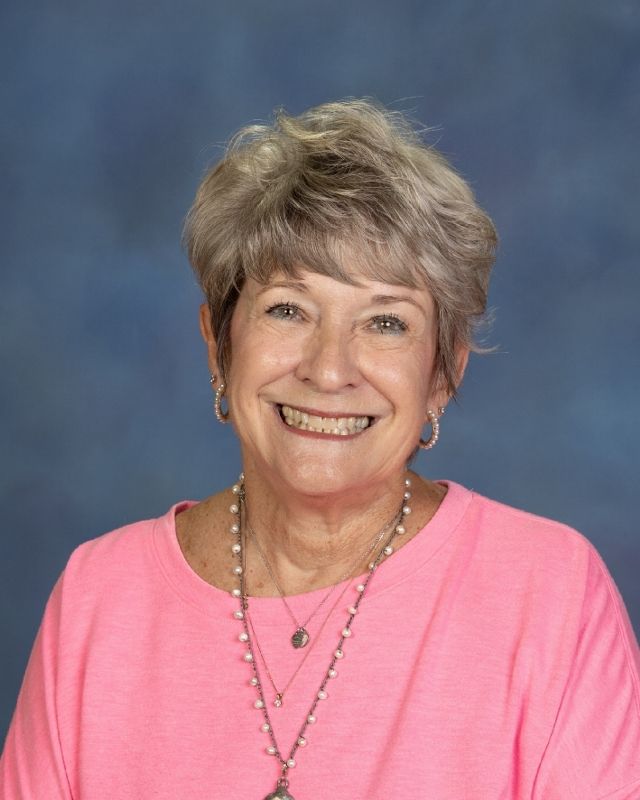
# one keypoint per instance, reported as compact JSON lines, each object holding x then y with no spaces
{"x":347,"y":256}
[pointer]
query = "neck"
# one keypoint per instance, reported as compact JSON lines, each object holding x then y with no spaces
{"x":316,"y":541}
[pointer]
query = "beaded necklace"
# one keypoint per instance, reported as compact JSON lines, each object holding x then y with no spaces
{"x":281,"y":791}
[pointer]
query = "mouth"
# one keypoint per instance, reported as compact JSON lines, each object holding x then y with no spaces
{"x":338,"y":425}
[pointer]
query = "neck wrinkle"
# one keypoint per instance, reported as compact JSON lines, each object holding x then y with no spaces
{"x":308,"y":549}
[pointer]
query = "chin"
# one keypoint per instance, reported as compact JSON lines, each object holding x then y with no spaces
{"x":315,"y":479}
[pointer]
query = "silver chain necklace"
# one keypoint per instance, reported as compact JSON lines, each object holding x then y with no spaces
{"x":286,"y":764}
{"x":301,"y":635}
{"x":279,"y":694}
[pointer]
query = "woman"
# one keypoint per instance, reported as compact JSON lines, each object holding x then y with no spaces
{"x":333,"y":625}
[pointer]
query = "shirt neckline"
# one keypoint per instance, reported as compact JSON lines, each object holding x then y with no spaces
{"x":404,"y":562}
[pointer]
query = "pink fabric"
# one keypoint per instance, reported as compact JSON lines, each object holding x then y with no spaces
{"x":492,"y":658}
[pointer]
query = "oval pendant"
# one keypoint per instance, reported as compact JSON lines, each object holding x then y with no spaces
{"x":280,"y":794}
{"x":300,"y":638}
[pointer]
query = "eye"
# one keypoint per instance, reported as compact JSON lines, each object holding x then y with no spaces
{"x":388,"y":323}
{"x":283,"y":311}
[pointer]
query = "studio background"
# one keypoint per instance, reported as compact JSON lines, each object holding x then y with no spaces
{"x":111,"y":112}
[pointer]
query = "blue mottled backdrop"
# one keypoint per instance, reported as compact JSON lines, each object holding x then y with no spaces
{"x":109,"y":114}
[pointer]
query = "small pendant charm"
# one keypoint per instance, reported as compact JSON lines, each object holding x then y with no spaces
{"x":278,"y":701}
{"x":300,"y":638}
{"x":281,"y":792}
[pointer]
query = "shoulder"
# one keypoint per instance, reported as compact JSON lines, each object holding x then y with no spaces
{"x":516,"y":531}
{"x":543,"y":563}
{"x":553,"y":561}
{"x":114,"y":557}
{"x":560,"y":547}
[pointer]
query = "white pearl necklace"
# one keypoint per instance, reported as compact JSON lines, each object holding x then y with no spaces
{"x":281,"y":790}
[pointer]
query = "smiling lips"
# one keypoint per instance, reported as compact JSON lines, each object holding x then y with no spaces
{"x":337,"y":426}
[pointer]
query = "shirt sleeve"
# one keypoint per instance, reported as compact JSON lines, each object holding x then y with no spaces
{"x":593,"y":752}
{"x":32,"y":766}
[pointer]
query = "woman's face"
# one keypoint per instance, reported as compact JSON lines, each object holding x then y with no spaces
{"x":329,"y":383}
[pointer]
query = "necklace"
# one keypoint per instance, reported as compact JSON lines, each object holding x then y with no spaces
{"x":301,"y":636}
{"x":282,"y":785}
{"x":279,"y":694}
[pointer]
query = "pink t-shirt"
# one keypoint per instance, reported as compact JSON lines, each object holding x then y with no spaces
{"x":492,"y":659}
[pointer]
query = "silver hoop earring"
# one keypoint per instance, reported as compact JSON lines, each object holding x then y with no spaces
{"x":434,"y":420}
{"x":217,"y":405}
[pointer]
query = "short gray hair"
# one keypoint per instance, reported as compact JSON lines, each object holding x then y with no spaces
{"x":343,"y":185}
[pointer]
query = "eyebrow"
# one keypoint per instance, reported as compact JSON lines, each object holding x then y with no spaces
{"x":387,"y":299}
{"x":292,"y":284}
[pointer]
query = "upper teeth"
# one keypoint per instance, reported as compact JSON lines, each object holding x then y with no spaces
{"x":340,"y":426}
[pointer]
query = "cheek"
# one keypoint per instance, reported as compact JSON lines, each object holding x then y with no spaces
{"x":407,"y":374}
{"x":259,"y":356}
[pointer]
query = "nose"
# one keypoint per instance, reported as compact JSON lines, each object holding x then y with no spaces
{"x":328,"y":360}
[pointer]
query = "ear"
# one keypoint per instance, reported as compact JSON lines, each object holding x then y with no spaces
{"x":206,"y":332}
{"x":441,"y":395}
{"x":462,"y":359}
